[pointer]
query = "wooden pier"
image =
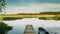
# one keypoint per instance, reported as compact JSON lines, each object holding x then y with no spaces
{"x":29,"y":30}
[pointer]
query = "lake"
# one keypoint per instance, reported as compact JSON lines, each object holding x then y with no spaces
{"x":20,"y":24}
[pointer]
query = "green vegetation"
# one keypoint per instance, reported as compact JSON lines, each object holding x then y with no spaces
{"x":2,"y":5}
{"x":43,"y":18}
{"x":57,"y":17}
{"x":4,"y":28}
{"x":53,"y":18}
{"x":1,"y":17}
{"x":10,"y":18}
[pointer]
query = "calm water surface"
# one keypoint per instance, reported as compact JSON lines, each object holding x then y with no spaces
{"x":19,"y":25}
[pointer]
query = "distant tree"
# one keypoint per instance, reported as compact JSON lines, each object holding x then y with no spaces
{"x":4,"y":28}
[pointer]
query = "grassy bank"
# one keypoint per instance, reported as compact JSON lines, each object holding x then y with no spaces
{"x":10,"y":18}
{"x":53,"y":18}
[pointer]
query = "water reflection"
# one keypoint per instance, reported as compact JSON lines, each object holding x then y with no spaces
{"x":19,"y":25}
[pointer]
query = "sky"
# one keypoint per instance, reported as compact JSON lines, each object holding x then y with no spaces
{"x":31,"y":6}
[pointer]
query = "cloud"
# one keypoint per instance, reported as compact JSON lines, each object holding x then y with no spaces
{"x":33,"y":8}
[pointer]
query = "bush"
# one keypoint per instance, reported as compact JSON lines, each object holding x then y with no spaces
{"x":4,"y":28}
{"x":57,"y":18}
{"x":10,"y":18}
{"x":43,"y":18}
